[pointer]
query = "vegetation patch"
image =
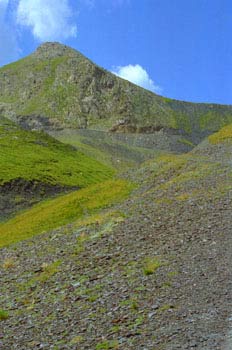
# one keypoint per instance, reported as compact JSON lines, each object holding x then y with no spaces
{"x":3,"y":315}
{"x":107,"y":345}
{"x":76,"y":340}
{"x":151,"y":265}
{"x":165,"y":307}
{"x":172,"y":162}
{"x":8,"y":263}
{"x":182,"y":122}
{"x":183,"y":197}
{"x":37,"y":157}
{"x":65,"y":209}
{"x":47,"y":271}
{"x":223,"y":135}
{"x":192,"y":173}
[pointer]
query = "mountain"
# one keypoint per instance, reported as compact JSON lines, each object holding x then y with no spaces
{"x":57,"y":87}
{"x":110,"y":240}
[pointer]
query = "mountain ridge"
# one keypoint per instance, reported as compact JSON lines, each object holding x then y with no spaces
{"x":93,"y":257}
{"x":57,"y":87}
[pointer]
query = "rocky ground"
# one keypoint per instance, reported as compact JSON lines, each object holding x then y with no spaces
{"x":152,"y":273}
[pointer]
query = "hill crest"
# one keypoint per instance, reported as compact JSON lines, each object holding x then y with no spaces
{"x":57,"y":87}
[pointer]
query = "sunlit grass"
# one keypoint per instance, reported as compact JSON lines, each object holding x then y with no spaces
{"x":225,"y":134}
{"x":65,"y":209}
{"x":37,"y":157}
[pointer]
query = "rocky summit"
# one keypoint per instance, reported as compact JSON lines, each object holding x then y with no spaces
{"x":115,"y":210}
{"x":57,"y":87}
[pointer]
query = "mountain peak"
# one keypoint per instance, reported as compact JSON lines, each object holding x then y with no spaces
{"x":54,"y":49}
{"x":58,"y":87}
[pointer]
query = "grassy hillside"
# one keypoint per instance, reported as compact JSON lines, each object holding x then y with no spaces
{"x":136,"y":276}
{"x":222,"y":136}
{"x":37,"y":157}
{"x":169,"y":178}
{"x":139,"y":262}
{"x":103,"y":147}
{"x":63,"y":210}
{"x":58,"y":87}
{"x":35,"y":166}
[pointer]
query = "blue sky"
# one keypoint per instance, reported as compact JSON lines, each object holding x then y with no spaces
{"x":178,"y":48}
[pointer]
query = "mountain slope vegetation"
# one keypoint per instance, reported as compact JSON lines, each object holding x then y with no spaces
{"x":115,"y":239}
{"x":38,"y":157}
{"x":57,"y":87}
{"x":65,"y":209}
{"x":152,"y":271}
{"x":34,"y":165}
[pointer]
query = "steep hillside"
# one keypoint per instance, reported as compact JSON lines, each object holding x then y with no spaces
{"x":141,"y":261}
{"x":57,"y":87}
{"x":153,"y":272}
{"x":118,"y":150}
{"x":63,"y":210}
{"x":34,"y":165}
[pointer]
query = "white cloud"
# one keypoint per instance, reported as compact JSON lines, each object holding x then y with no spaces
{"x":49,"y":20}
{"x":137,"y":75}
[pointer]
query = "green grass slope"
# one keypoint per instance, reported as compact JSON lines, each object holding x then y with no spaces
{"x":56,"y":86}
{"x":222,"y":136}
{"x":132,"y":276}
{"x":169,"y":179}
{"x":37,"y":157}
{"x":63,"y":210}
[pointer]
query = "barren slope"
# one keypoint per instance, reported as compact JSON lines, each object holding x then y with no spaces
{"x":151,"y":273}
